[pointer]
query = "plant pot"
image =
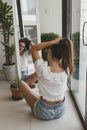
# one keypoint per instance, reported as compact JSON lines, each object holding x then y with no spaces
{"x":16,"y":93}
{"x":10,"y":72}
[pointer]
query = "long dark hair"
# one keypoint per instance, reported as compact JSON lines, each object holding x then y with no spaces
{"x":26,"y":41}
{"x":63,"y":52}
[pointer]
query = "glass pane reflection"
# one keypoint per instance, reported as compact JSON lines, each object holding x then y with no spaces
{"x":28,"y":7}
{"x":78,"y":81}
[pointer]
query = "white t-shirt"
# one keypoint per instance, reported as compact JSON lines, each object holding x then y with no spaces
{"x":26,"y":63}
{"x":52,"y":86}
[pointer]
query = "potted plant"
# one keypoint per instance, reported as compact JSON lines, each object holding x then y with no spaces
{"x":47,"y":37}
{"x":7,"y":31}
{"x":76,"y":46}
{"x":16,"y":93}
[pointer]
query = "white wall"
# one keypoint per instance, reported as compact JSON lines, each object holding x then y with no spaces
{"x":50,"y":16}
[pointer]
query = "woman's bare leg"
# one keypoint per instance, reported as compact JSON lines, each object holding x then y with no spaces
{"x":29,"y":96}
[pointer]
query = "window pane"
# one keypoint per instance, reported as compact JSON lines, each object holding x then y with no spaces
{"x":28,"y":7}
{"x":31,"y":33}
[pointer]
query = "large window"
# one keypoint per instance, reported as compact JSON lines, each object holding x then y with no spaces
{"x":79,"y":79}
{"x":31,"y":33}
{"x":29,"y":19}
{"x":28,"y":7}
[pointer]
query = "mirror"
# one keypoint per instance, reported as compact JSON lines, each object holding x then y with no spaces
{"x":36,"y":16}
{"x":28,"y":30}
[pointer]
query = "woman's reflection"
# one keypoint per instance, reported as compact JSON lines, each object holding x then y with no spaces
{"x":26,"y":62}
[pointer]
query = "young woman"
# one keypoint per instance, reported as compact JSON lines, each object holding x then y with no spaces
{"x":25,"y":57}
{"x":52,"y":79}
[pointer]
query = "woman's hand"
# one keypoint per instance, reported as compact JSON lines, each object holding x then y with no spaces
{"x":32,"y":43}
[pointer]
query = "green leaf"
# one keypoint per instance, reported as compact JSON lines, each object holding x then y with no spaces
{"x":6,"y":22}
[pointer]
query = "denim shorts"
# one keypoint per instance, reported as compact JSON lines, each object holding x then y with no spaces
{"x":24,"y":75}
{"x":45,"y":111}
